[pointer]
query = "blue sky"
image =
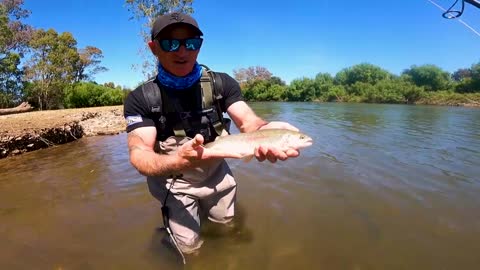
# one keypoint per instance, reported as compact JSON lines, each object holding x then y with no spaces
{"x":293,"y":39}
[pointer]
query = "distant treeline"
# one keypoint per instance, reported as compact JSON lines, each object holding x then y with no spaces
{"x":426,"y":84}
{"x":48,"y":70}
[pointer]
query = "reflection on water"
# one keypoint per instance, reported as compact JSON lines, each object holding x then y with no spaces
{"x":383,"y":187}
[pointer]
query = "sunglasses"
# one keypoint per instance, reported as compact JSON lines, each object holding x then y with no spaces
{"x":173,"y":45}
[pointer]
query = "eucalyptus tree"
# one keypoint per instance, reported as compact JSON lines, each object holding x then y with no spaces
{"x":145,"y":11}
{"x":52,"y":67}
{"x":88,"y":63}
{"x":14,"y":35}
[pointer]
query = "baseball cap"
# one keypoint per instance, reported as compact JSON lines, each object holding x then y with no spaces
{"x":168,"y":19}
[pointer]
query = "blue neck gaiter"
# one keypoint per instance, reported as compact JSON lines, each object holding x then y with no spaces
{"x":179,"y":83}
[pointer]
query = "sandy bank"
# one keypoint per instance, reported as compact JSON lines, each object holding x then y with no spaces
{"x":24,"y":132}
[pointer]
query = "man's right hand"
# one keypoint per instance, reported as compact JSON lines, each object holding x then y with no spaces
{"x":193,"y":151}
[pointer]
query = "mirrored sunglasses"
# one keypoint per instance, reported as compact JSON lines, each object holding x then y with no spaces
{"x":173,"y":45}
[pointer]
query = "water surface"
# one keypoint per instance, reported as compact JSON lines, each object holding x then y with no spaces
{"x":383,"y":187}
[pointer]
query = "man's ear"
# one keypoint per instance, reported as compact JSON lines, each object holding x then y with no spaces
{"x":153,"y":47}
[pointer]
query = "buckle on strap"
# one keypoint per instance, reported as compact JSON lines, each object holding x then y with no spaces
{"x":206,"y":111}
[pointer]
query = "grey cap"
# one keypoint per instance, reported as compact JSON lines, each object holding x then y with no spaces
{"x":168,"y":19}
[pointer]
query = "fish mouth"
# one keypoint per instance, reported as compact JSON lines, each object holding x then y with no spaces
{"x":307,"y":143}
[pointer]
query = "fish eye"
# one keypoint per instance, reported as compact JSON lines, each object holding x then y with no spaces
{"x":302,"y":137}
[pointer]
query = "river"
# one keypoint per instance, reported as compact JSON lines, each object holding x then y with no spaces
{"x":383,"y":187}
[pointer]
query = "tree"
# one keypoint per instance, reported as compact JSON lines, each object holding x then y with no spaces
{"x":301,"y":90}
{"x":469,"y":79}
{"x":146,"y":11}
{"x":109,"y":85}
{"x":323,"y":83}
{"x":244,"y":75}
{"x":366,"y":73}
{"x":274,"y":80}
{"x":475,"y":69}
{"x":51,"y":67}
{"x":14,"y":34}
{"x":461,"y":74}
{"x":272,"y":89}
{"x":10,"y":80}
{"x":431,"y":77}
{"x":13,"y":44}
{"x":88,"y":63}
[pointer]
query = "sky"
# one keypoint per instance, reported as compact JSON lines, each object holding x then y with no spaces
{"x":292,"y":39}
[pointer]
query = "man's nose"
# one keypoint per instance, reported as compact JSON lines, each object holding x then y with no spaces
{"x":182,"y":51}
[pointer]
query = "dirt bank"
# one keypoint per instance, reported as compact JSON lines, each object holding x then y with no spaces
{"x":30,"y":131}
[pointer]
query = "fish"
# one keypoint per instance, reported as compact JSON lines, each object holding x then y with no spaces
{"x":244,"y":144}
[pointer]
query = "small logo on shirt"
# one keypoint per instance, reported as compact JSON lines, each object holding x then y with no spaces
{"x":133,"y":119}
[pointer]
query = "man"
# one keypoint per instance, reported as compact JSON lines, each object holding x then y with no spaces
{"x":181,"y":173}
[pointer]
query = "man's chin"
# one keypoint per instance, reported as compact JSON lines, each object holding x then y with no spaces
{"x":182,"y":71}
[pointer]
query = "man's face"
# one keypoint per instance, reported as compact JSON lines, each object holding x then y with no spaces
{"x":181,"y":62}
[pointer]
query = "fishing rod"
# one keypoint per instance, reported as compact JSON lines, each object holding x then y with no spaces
{"x":452,"y":14}
{"x":474,"y":2}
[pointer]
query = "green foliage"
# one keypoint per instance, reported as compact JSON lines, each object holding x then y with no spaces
{"x":335,"y":93}
{"x":386,"y":91}
{"x":431,"y":77}
{"x":323,"y":84}
{"x":10,"y":80}
{"x":301,"y":90}
{"x":88,"y":63}
{"x":461,"y":74}
{"x":475,"y":83}
{"x":264,"y":90}
{"x":366,"y":73}
{"x":371,"y":84}
{"x":449,"y":98}
{"x":13,"y":34}
{"x":87,"y":94}
{"x":467,"y":80}
{"x":51,"y":67}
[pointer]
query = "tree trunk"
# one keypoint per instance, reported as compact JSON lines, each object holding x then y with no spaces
{"x":24,"y":107}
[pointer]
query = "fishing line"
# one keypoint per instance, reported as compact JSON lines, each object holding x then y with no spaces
{"x":452,"y":14}
{"x":166,"y":220}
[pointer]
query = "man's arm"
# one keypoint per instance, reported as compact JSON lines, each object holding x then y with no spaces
{"x":244,"y":118}
{"x":141,"y":142}
{"x":247,"y":121}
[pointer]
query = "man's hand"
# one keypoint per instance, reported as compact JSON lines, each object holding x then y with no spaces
{"x":193,"y":151}
{"x":272,"y":154}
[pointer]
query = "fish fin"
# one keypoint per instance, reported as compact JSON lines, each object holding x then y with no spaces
{"x":247,"y":158}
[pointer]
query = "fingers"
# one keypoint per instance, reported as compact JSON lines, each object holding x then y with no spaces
{"x":273,"y":154}
{"x":292,"y":153}
{"x":197,"y":140}
{"x":260,"y":153}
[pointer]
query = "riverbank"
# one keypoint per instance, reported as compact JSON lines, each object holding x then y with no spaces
{"x":24,"y":132}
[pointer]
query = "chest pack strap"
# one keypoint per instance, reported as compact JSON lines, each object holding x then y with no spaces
{"x":209,"y":83}
{"x":160,"y":102}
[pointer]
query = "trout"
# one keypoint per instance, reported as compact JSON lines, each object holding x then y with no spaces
{"x":244,"y":144}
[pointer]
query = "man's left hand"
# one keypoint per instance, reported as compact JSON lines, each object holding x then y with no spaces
{"x":272,"y":154}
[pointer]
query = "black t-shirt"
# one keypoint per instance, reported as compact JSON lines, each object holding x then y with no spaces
{"x":138,"y":114}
